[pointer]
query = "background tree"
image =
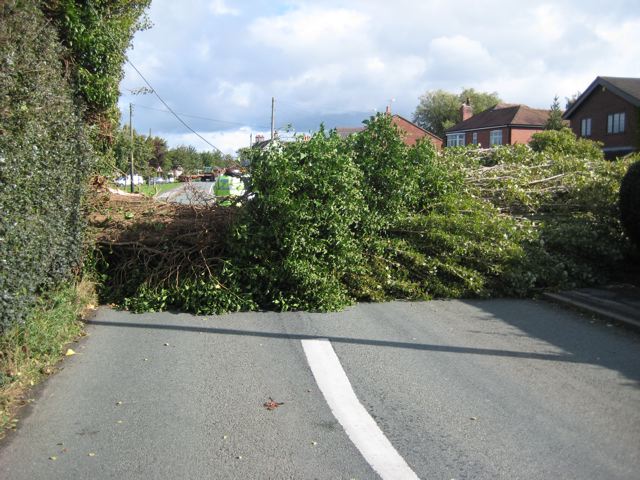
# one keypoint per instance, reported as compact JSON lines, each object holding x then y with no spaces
{"x":571,"y":100}
{"x":143,"y":153}
{"x":439,"y":109}
{"x":554,"y":122}
{"x":186,"y":157}
{"x":159,"y":150}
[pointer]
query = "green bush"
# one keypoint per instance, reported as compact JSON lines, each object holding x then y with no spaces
{"x":565,"y":142}
{"x":296,"y":240}
{"x":630,"y":202}
{"x":44,"y":159}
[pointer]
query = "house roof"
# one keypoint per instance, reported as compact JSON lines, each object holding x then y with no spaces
{"x":401,"y":118}
{"x":346,"y":131}
{"x":625,"y":87}
{"x":503,"y":114}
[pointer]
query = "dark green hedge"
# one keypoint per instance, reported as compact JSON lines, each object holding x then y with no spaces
{"x":44,"y":160}
{"x":630,"y":202}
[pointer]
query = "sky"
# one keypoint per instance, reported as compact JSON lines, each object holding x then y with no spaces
{"x":218,"y":63}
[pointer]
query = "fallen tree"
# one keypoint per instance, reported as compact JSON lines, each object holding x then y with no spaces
{"x":368,"y":218}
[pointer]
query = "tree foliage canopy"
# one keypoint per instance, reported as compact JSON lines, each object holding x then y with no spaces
{"x":439,"y":109}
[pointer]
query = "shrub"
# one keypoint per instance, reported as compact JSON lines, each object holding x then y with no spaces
{"x":630,"y":202}
{"x":565,"y":142}
{"x":296,"y":240}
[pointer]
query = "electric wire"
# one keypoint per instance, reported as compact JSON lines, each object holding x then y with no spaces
{"x":170,"y":109}
{"x":200,"y":117}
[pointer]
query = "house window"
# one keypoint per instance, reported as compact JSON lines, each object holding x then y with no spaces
{"x":615,"y":123}
{"x":455,"y":140}
{"x":495,"y":137}
{"x":585,"y":127}
{"x":475,"y":138}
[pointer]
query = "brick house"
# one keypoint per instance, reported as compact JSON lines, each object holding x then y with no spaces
{"x":504,"y":124}
{"x":609,"y":112}
{"x":411,"y":132}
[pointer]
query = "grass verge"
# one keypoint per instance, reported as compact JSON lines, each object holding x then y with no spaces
{"x":151,"y":190}
{"x":30,"y":351}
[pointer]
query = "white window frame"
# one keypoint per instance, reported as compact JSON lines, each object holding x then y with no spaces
{"x":455,"y":139}
{"x":474,"y":137}
{"x":615,"y":122}
{"x":495,"y":137}
{"x":585,"y":127}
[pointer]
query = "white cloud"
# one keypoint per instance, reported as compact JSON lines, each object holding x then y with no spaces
{"x":219,"y":7}
{"x":227,"y":141}
{"x":459,"y":58}
{"x":238,"y":94}
{"x":313,"y":32}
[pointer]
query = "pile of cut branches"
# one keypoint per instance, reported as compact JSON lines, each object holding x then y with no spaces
{"x":143,"y":241}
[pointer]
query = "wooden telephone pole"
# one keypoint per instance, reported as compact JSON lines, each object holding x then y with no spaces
{"x":131,"y":136}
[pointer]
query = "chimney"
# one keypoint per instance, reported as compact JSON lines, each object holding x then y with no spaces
{"x":388,"y":110}
{"x":466,"y":110}
{"x":259,"y":138}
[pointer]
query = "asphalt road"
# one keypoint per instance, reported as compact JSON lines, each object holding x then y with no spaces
{"x":462,"y":390}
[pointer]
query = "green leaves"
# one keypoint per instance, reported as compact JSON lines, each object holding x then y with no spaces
{"x":45,"y":160}
{"x":368,"y":218}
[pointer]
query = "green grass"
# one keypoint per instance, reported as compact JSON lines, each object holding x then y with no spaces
{"x":29,"y":351}
{"x":151,"y":190}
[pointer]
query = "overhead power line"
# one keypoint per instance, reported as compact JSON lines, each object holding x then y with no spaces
{"x":170,"y":109}
{"x":200,"y":117}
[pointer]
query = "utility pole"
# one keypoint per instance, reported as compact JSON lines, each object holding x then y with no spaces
{"x":131,"y":135}
{"x":273,"y":118}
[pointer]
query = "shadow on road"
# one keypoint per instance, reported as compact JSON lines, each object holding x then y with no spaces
{"x":586,"y":341}
{"x":355,"y":341}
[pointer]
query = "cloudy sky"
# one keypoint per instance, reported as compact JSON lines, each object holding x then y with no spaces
{"x":219,"y":62}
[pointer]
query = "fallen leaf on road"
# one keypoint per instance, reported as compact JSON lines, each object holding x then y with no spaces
{"x":118,"y":403}
{"x":272,"y":404}
{"x":473,"y":418}
{"x":69,"y":353}
{"x":166,"y":344}
{"x":91,"y":454}
{"x":54,"y":458}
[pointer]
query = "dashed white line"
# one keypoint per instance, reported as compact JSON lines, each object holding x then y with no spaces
{"x":354,"y":418}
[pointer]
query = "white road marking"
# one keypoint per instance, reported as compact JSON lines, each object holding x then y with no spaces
{"x":354,"y":418}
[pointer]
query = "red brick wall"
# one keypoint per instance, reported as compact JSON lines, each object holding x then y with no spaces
{"x":598,"y":106}
{"x":413,"y":133}
{"x":510,"y":136}
{"x":523,"y":135}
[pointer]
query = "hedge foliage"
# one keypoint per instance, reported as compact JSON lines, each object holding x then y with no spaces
{"x":94,"y":36}
{"x":44,"y":158}
{"x":630,"y":202}
{"x":60,"y":66}
{"x":367,"y":218}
